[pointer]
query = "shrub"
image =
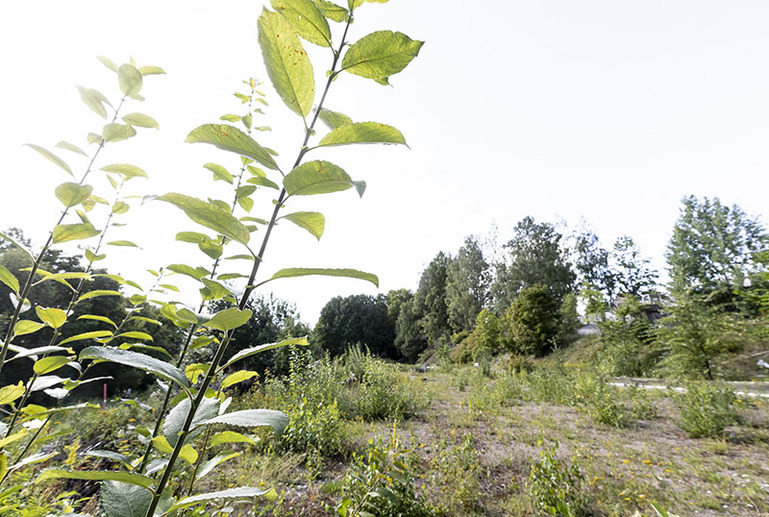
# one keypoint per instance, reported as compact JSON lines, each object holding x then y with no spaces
{"x":599,"y":400}
{"x":555,"y":486}
{"x":535,"y":321}
{"x":457,"y":470}
{"x":380,"y":483}
{"x":706,"y":409}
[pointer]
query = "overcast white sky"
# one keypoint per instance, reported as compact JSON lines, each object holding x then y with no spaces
{"x":610,"y":111}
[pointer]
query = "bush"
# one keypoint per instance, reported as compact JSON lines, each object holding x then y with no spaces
{"x":555,"y":486}
{"x":535,"y":321}
{"x":381,"y":483}
{"x":706,"y":409}
{"x":457,"y":470}
{"x":599,"y":400}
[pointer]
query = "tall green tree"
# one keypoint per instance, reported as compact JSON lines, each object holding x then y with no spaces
{"x":358,"y":319}
{"x":713,"y":250}
{"x":632,"y":272}
{"x":430,"y":303}
{"x":410,"y":338}
{"x":535,"y":321}
{"x":535,"y":256}
{"x":468,"y":280}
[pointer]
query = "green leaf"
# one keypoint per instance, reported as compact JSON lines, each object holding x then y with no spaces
{"x":110,"y":455}
{"x":129,"y":79}
{"x":151,"y":70}
{"x":94,"y":100}
{"x":108,"y":63}
{"x":131,"y":346}
{"x":19,"y":245}
{"x":50,"y":364}
{"x":231,"y":118}
{"x":94,"y":138}
{"x":191,"y":237}
{"x":229,"y":437}
{"x":363,"y":133}
{"x":239,"y":376}
{"x":116,"y":132}
{"x":96,"y":475}
{"x":357,"y":3}
{"x":94,"y":334}
{"x":230,"y":493}
{"x":74,"y":232}
{"x":35,"y":352}
{"x":288,"y":66}
{"x":306,"y":19}
{"x":334,"y":119}
{"x":220,"y":173}
{"x":174,"y":422}
{"x":248,"y":352}
{"x":124,"y":500}
{"x":215,"y":290}
{"x":118,"y":208}
{"x":24,"y":327}
{"x":262,"y":182}
{"x":136,"y":360}
{"x":70,"y":147}
{"x":94,"y":317}
{"x":11,"y":392}
{"x":251,"y":418}
{"x":313,"y":222}
{"x":229,"y":319}
{"x":317,"y":177}
{"x":135,"y":334}
{"x":92,"y":257}
{"x":98,"y":292}
{"x":125,"y":170}
{"x":72,"y":194}
{"x":183,"y":269}
{"x":141,"y":120}
{"x":217,"y":460}
{"x":332,"y":11}
{"x":212,"y":248}
{"x":8,"y":279}
{"x":52,"y":157}
{"x":52,"y":317}
{"x":210,"y":216}
{"x":380,"y":54}
{"x":348,"y":273}
{"x":60,"y":277}
{"x":188,"y":454}
{"x":123,"y":243}
{"x":229,"y":138}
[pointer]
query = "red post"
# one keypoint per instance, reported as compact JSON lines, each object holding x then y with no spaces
{"x":104,"y":400}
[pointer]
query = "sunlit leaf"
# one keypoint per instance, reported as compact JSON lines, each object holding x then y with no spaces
{"x":251,"y":418}
{"x":72,"y":194}
{"x":188,"y":454}
{"x":313,"y":222}
{"x":317,"y":177}
{"x":140,"y":120}
{"x":334,"y":119}
{"x":94,"y":100}
{"x":174,"y":422}
{"x":94,"y":334}
{"x":151,"y":70}
{"x":123,"y":243}
{"x":108,"y":63}
{"x":18,"y":245}
{"x":24,"y":327}
{"x":73,"y":232}
{"x":262,"y":182}
{"x":183,"y":269}
{"x":363,"y":133}
{"x":288,"y":66}
{"x":216,"y":291}
{"x":308,"y":22}
{"x":217,"y":460}
{"x":220,"y":173}
{"x":95,"y":317}
{"x":95,"y":475}
{"x":125,"y":170}
{"x":347,"y":273}
{"x":11,"y":392}
{"x":52,"y":157}
{"x":332,"y":11}
{"x":52,"y":317}
{"x":224,"y":437}
{"x":230,"y":493}
{"x":50,"y":364}
{"x":98,"y":292}
{"x":129,"y":79}
{"x":136,"y":360}
{"x":380,"y":54}
{"x":232,"y":139}
{"x":240,"y":376}
{"x":8,"y":279}
{"x":210,"y":216}
{"x":116,"y":132}
{"x":135,"y":334}
{"x":248,"y":352}
{"x":70,"y":147}
{"x":229,"y":319}
{"x":124,"y":500}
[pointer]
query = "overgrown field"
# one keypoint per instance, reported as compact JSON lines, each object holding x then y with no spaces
{"x":368,"y":436}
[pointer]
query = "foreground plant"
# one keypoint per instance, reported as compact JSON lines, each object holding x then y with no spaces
{"x":151,"y":480}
